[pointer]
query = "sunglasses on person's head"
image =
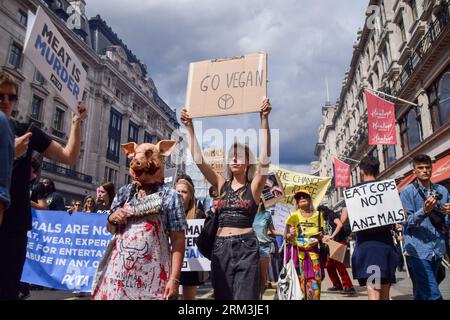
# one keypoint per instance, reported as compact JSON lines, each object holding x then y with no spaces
{"x":11,"y":97}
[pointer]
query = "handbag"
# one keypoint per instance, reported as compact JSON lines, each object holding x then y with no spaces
{"x":205,"y":240}
{"x":288,"y":286}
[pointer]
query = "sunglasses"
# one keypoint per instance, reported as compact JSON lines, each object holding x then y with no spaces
{"x":11,"y":97}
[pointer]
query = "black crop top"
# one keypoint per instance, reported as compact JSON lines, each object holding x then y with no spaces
{"x":236,"y":211}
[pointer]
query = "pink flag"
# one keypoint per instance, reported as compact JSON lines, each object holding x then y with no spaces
{"x":381,"y":120}
{"x":341,"y":174}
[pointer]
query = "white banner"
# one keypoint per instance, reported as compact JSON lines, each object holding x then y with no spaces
{"x":373,"y":205}
{"x":55,"y":60}
{"x":193,"y":259}
{"x":282,"y":212}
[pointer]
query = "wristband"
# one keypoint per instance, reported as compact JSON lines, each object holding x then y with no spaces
{"x":176,"y":280}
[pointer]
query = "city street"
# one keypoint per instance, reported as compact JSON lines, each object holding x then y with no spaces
{"x":402,"y":290}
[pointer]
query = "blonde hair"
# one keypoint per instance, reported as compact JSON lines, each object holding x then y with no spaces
{"x":7,"y":80}
{"x":191,"y":210}
{"x":251,"y":169}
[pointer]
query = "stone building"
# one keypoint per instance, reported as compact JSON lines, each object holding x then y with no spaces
{"x":402,"y":50}
{"x":123,"y":102}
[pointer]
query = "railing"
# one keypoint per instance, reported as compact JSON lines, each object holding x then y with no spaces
{"x":58,"y":133}
{"x":415,"y":57}
{"x":68,"y":173}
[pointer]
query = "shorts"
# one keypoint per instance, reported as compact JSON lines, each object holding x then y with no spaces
{"x":265,"y":249}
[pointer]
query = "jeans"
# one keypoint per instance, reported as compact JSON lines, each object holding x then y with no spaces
{"x":235,"y":268}
{"x":423,"y":276}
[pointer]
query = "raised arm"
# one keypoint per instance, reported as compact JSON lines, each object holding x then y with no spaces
{"x":213,"y":178}
{"x":264,"y":157}
{"x":71,"y":152}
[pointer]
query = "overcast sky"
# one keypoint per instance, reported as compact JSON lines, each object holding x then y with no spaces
{"x":306,"y":42}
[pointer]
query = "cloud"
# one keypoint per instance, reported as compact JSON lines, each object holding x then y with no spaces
{"x":306,"y":41}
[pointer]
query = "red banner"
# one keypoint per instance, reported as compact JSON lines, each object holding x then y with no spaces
{"x":341,"y":174}
{"x":381,"y":118}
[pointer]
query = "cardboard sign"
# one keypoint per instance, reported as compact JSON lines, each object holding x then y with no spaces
{"x":294,"y":181}
{"x":337,"y":250}
{"x":227,"y":86}
{"x":215,"y":158}
{"x":273,"y":190}
{"x":193,"y":259}
{"x":55,"y":60}
{"x":373,"y":205}
{"x":281,"y":214}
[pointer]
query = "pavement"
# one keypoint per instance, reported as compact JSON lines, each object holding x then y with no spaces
{"x":402,"y":290}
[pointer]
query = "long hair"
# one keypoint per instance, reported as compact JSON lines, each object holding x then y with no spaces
{"x":85,"y":207}
{"x":191,"y":210}
{"x":251,"y":169}
{"x":110,"y":190}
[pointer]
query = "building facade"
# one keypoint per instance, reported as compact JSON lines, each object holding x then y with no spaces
{"x":402,"y":50}
{"x":123,"y":102}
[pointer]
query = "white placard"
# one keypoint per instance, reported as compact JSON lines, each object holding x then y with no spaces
{"x":55,"y":60}
{"x":373,"y":205}
{"x":193,"y":259}
{"x":282,"y":212}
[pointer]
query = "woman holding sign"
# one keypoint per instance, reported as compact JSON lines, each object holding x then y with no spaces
{"x":304,"y":229}
{"x":235,"y":256}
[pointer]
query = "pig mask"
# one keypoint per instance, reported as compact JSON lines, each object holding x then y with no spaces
{"x":147,"y":165}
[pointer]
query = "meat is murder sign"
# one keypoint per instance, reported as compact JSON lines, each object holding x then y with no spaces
{"x":373,"y":205}
{"x":227,"y":86}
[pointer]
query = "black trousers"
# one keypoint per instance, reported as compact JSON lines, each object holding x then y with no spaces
{"x":235,"y":267}
{"x":13,"y":247}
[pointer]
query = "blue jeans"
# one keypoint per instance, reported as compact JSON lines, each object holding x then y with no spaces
{"x":423,"y":276}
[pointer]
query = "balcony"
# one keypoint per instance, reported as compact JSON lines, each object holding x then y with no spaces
{"x":68,"y":173}
{"x":58,"y":133}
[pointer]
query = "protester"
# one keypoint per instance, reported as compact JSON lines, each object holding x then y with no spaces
{"x":54,"y":199}
{"x":75,"y":207}
{"x":6,"y":156}
{"x":17,"y":218}
{"x":189,"y":280}
{"x":263,"y":224}
{"x":89,"y":204}
{"x":334,"y":267}
{"x":140,"y":263}
{"x":426,"y":230}
{"x":235,"y":257}
{"x":304,"y":229}
{"x":37,"y":194}
{"x":105,"y":196}
{"x":374,"y":256}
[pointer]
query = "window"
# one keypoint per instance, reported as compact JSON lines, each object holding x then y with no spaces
{"x":439,"y":100}
{"x":133,"y":133}
{"x":410,"y":130}
{"x":39,"y":78}
{"x":415,"y":14}
{"x":58,"y":120}
{"x":36,"y":107}
{"x":374,"y":153}
{"x":15,"y":55}
{"x":148,"y":138}
{"x":114,"y":132}
{"x":386,"y":56}
{"x":401,"y":26}
{"x":389,"y":154}
{"x":22,"y":17}
{"x":111,"y":175}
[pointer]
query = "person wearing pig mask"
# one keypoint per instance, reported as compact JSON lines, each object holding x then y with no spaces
{"x":139,"y":263}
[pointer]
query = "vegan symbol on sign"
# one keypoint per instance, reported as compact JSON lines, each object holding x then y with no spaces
{"x":225,"y":102}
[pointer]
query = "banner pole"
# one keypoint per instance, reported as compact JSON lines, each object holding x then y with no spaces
{"x":404,"y":259}
{"x":393,"y":97}
{"x":357,"y":161}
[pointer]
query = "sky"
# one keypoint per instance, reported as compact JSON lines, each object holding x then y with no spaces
{"x":307,"y":42}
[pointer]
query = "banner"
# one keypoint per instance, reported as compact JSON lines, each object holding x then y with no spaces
{"x":341,"y":174}
{"x":381,"y":119}
{"x":227,"y":86}
{"x":294,"y":181}
{"x":64,"y":250}
{"x":373,"y":205}
{"x":193,"y":259}
{"x":273,"y":191}
{"x":53,"y":57}
{"x":281,"y":213}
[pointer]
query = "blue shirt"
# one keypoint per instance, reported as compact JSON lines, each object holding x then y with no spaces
{"x":174,"y":217}
{"x":422,"y":240}
{"x":263,"y":220}
{"x":7,"y":150}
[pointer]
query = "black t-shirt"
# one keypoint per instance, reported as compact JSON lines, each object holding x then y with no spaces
{"x":101,"y":208}
{"x":17,"y":218}
{"x":38,"y":192}
{"x":55,"y":201}
{"x":341,"y":236}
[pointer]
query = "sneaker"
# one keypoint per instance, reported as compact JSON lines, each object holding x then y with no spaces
{"x":349,"y":291}
{"x":333,"y":288}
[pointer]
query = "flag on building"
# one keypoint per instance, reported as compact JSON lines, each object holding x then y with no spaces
{"x":381,"y":119}
{"x":341,"y":174}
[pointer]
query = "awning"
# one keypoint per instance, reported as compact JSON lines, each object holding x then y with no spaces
{"x":441,"y":172}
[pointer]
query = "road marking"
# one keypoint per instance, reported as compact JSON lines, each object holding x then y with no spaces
{"x":73,"y":298}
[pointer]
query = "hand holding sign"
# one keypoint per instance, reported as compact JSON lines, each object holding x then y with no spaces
{"x":186,"y":118}
{"x":82,"y":113}
{"x":266,"y":108}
